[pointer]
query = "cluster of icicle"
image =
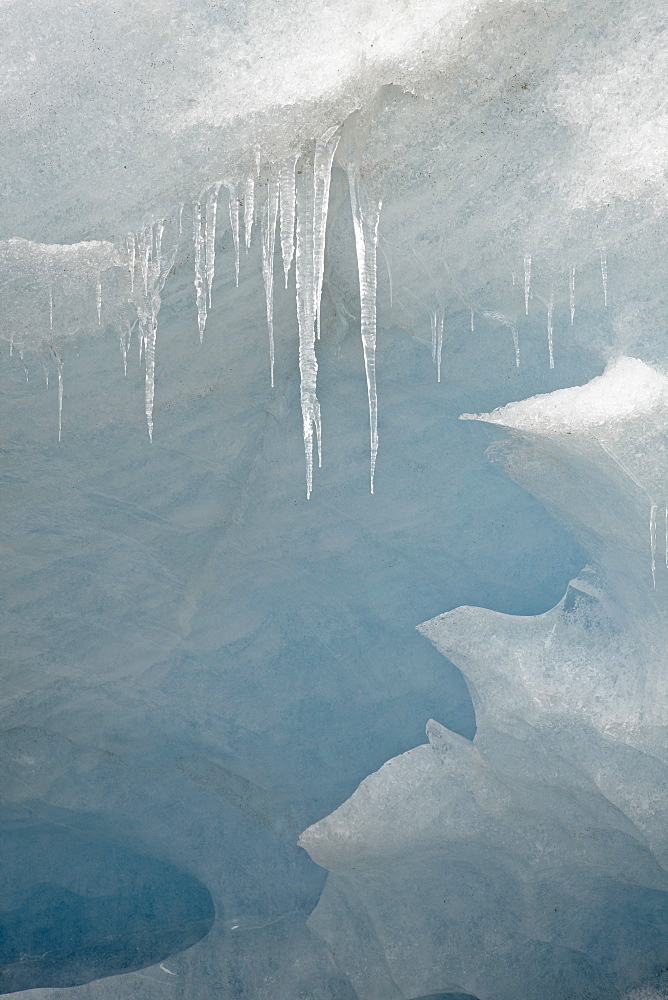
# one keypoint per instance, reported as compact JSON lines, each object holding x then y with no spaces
{"x":293,"y":201}
{"x":296,"y":204}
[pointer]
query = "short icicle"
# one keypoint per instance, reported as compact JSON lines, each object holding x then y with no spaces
{"x":150,"y":334}
{"x":98,"y":296}
{"x":305,"y":281}
{"x":527,"y":282}
{"x":571,"y":290}
{"x":472,"y":321}
{"x":366,"y":216}
{"x":268,"y":247}
{"x":50,"y":307}
{"x":287,"y":187}
{"x":234,"y":222}
{"x":210,"y":237}
{"x":249,"y":210}
{"x":322,"y":175}
{"x":437,"y":340}
{"x":59,"y":368}
{"x":199,"y":269}
{"x":604,"y":276}
{"x":550,"y":312}
{"x":132,"y":256}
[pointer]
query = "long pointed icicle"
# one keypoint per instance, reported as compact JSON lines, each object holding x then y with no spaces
{"x":322,"y":175}
{"x":527,"y":282}
{"x":305,"y":281}
{"x":268,"y":247}
{"x":50,"y":307}
{"x":366,"y":216}
{"x":571,"y":292}
{"x":249,"y":210}
{"x":158,"y":233}
{"x":234,"y":222}
{"x":604,"y":276}
{"x":287,"y":185}
{"x":199,"y":269}
{"x":550,"y":313}
{"x":210,"y":237}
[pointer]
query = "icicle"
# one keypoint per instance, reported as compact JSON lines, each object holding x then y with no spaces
{"x":149,"y":337}
{"x":527,"y":281}
{"x":143,"y":251}
{"x":11,"y":345}
{"x":437,"y":340}
{"x":268,"y":247}
{"x":148,"y":251}
{"x":472,"y":321}
{"x":124,"y":353}
{"x":159,"y":230}
{"x":305,"y":282}
{"x":50,"y":307}
{"x":322,"y":174}
{"x":604,"y":276}
{"x":181,"y":207}
{"x":210,"y":236}
{"x":234,"y":222}
{"x":99,"y":299}
{"x":572,"y":293}
{"x":287,"y":185}
{"x":132,"y":253}
{"x":59,"y":367}
{"x":500,"y":318}
{"x":513,"y":273}
{"x":652,"y":540}
{"x":249,"y":210}
{"x":366,"y":216}
{"x":199,"y":270}
{"x":550,"y":311}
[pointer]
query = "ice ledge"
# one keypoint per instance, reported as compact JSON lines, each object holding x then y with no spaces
{"x":628,"y":388}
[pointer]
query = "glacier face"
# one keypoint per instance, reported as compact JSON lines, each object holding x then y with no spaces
{"x":531,"y":861}
{"x":467,"y":202}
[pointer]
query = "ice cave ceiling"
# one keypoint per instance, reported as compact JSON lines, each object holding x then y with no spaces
{"x":215,"y":781}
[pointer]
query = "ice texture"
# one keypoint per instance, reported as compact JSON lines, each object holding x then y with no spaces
{"x":326,"y":230}
{"x":526,"y":861}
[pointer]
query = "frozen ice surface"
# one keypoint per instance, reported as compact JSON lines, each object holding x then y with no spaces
{"x":527,"y":861}
{"x":198,"y":665}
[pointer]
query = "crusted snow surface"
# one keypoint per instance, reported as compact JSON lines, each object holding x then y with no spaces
{"x":627,"y":388}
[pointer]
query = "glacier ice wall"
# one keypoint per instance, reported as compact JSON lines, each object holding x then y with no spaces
{"x":531,"y":861}
{"x":466,"y":203}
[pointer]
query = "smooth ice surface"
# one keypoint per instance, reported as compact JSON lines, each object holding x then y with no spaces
{"x":198,"y":664}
